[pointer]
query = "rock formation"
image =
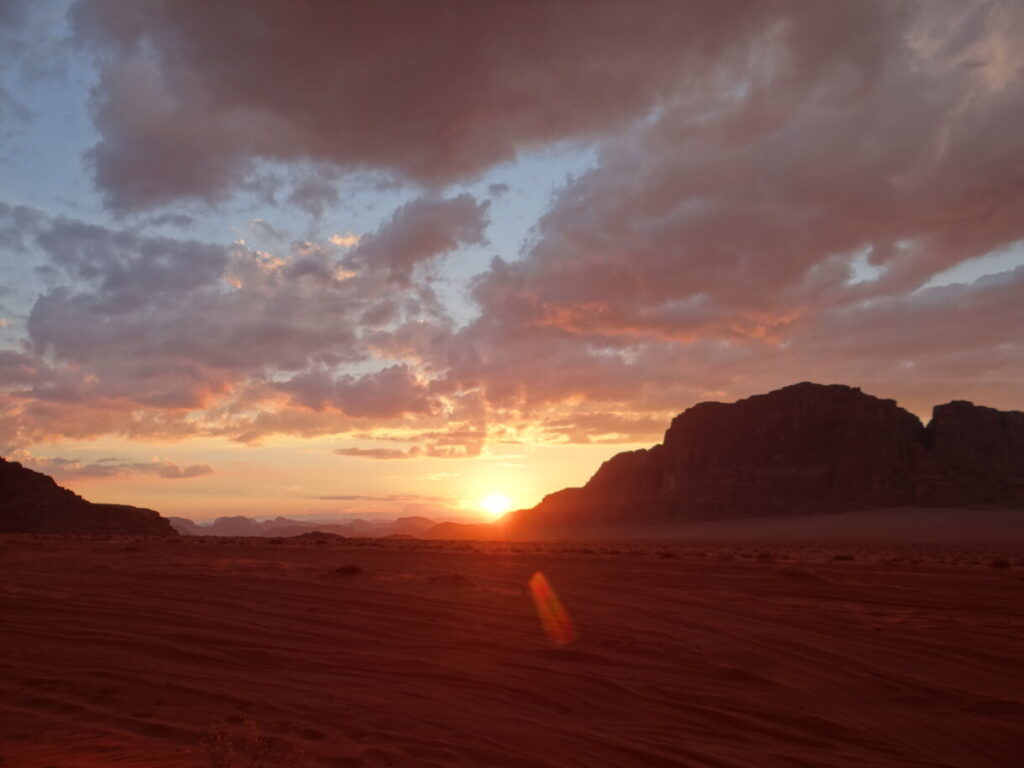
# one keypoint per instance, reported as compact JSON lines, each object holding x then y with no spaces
{"x":802,"y":449}
{"x":185,"y":527}
{"x":31,"y":502}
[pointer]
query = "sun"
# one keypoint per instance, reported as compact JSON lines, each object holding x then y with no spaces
{"x":495,"y":504}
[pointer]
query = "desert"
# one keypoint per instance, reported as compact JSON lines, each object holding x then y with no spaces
{"x":727,"y":649}
{"x":511,"y":383}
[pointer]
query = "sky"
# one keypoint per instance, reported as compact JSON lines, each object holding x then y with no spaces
{"x":325,"y":259}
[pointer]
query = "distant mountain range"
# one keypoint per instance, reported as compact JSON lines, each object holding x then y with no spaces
{"x":807,"y":448}
{"x":283,"y":526}
{"x":31,"y":502}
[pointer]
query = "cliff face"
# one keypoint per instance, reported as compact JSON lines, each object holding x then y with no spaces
{"x":977,"y":456}
{"x":31,"y":502}
{"x":802,"y":449}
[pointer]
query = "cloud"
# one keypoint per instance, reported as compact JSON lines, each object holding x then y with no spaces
{"x":20,"y":368}
{"x":391,"y":392}
{"x":606,"y":428}
{"x":364,"y":87}
{"x":418,"y":232}
{"x":136,"y":332}
{"x":314,"y":193}
{"x":173,"y":323}
{"x":376,"y":453}
{"x":180,"y":220}
{"x":347,"y":240}
{"x":386,"y":497}
{"x":774,"y":187}
{"x":68,"y":469}
{"x":170,"y":471}
{"x":18,"y":224}
{"x":722,"y":244}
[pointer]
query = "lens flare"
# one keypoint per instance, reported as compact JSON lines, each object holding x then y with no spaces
{"x":553,"y":616}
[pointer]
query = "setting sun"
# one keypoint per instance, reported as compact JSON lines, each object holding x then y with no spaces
{"x":495,"y":504}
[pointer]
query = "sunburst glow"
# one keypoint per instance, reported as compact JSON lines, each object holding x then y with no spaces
{"x":495,"y":504}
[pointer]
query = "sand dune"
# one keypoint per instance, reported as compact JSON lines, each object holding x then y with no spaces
{"x":123,"y":652}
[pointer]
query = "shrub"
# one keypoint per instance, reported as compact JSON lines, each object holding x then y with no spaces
{"x":452,"y":580}
{"x":223,"y":746}
{"x":796,"y":572}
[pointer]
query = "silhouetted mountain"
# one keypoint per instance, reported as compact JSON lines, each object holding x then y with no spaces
{"x":282,"y":527}
{"x":235,"y":525}
{"x":31,"y":502}
{"x":185,"y":526}
{"x":414,"y":525}
{"x":801,"y":449}
{"x":463,"y":531}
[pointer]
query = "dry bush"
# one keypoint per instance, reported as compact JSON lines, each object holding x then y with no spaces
{"x":348,"y":570}
{"x":796,"y":572}
{"x":452,"y":580}
{"x":244,"y":746}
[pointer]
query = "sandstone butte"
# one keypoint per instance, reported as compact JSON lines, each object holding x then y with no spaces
{"x":31,"y":502}
{"x":803,"y":449}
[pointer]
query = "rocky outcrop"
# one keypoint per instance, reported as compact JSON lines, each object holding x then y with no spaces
{"x":184,"y":526}
{"x":977,"y":456}
{"x":802,"y":449}
{"x":31,"y":502}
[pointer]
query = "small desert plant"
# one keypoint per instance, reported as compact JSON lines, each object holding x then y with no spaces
{"x":999,"y":563}
{"x":223,"y":746}
{"x":348,"y":570}
{"x":796,"y":572}
{"x":451,"y":580}
{"x":216,"y":747}
{"x":845,"y":557}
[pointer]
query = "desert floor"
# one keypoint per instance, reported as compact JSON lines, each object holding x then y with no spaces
{"x":124,"y":652}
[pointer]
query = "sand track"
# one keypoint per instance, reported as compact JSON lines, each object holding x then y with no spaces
{"x":123,"y":653}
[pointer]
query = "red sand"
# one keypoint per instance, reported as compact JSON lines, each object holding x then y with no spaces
{"x":123,"y":653}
